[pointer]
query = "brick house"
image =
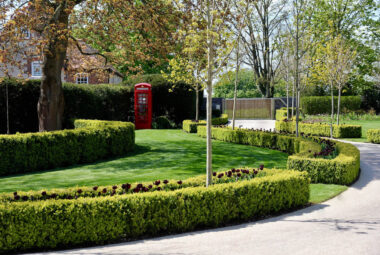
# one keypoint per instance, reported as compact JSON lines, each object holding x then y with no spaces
{"x":78,"y":68}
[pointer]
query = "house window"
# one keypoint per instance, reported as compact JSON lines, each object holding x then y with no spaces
{"x":36,"y":69}
{"x":81,"y":78}
{"x":26,"y":33}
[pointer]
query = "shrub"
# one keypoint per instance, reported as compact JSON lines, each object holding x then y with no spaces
{"x":88,"y":101}
{"x":343,"y":169}
{"x":31,"y":152}
{"x":64,"y":223}
{"x":322,"y":104}
{"x":162,"y":122}
{"x":320,"y":129}
{"x":281,"y":114}
{"x":190,"y":126}
{"x":373,"y":135}
{"x":222,"y":120}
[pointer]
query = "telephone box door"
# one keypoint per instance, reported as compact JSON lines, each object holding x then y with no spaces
{"x":143,"y":106}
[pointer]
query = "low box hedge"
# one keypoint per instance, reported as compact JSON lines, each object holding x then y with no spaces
{"x":320,"y":129}
{"x":92,"y":140}
{"x":190,"y":126}
{"x":343,"y":169}
{"x":373,"y":135}
{"x":65,"y":223}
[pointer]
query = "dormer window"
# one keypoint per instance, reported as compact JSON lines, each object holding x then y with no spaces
{"x":37,"y":69}
{"x":81,"y":78}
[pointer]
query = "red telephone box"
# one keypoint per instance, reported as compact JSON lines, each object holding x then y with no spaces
{"x":143,"y":106}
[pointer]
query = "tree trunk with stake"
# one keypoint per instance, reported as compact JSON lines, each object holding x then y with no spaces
{"x":210,"y":61}
{"x":332,"y":110}
{"x":338,"y":108}
{"x":236,"y":81}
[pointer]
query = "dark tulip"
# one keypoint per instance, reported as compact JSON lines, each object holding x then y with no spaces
{"x":69,"y":197}
{"x":99,"y":193}
{"x":145,"y":189}
{"x":113,"y":192}
{"x":261,"y":167}
{"x":136,"y":190}
{"x":220,"y":175}
{"x":214,"y":173}
{"x":255,"y":172}
{"x":239,"y":175}
{"x":150,"y":187}
{"x":233,"y":170}
{"x":53,"y":195}
{"x":80,"y":191}
{"x":159,"y":188}
{"x":166,"y":181}
{"x":139,"y":186}
{"x":15,"y":193}
{"x":24,"y":198}
{"x":95,"y":188}
{"x":179,"y":182}
{"x":43,"y":193}
{"x":114,"y":187}
{"x":237,"y":170}
{"x":104,"y":190}
{"x":17,"y":197}
{"x":157,"y":182}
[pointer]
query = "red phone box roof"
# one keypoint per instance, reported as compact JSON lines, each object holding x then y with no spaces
{"x":143,"y":86}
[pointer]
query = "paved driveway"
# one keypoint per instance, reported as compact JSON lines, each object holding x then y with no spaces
{"x":256,"y":124}
{"x":347,"y":224}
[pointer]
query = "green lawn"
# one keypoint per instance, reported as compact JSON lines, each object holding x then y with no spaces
{"x":366,"y":124}
{"x":322,"y":192}
{"x":160,"y":154}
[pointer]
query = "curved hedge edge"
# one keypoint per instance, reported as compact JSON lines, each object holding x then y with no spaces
{"x":89,"y":191}
{"x":62,"y":223}
{"x":222,"y":120}
{"x":373,"y":135}
{"x":344,"y":169}
{"x":339,"y":131}
{"x":30,"y":152}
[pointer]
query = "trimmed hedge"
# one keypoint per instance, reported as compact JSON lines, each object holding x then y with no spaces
{"x":319,"y":129}
{"x":322,"y":104}
{"x":190,"y":126}
{"x":343,"y":169}
{"x":65,"y":223}
{"x":89,"y":101}
{"x":373,"y":135}
{"x":92,"y":140}
{"x":281,"y":114}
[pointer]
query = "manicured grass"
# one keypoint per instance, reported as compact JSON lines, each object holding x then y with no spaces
{"x":160,"y":154}
{"x":366,"y":124}
{"x":322,"y":192}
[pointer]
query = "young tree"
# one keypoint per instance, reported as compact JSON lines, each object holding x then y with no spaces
{"x":216,"y":39}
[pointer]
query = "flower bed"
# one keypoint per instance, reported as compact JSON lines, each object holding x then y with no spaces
{"x":86,"y":220}
{"x":373,"y":135}
{"x":90,"y":141}
{"x":342,"y":169}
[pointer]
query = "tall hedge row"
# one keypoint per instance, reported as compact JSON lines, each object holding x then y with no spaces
{"x":30,"y":152}
{"x":343,"y":169}
{"x":322,"y":104}
{"x":103,"y":101}
{"x":64,"y":223}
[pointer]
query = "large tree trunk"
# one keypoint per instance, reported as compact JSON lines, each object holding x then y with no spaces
{"x":51,"y":102}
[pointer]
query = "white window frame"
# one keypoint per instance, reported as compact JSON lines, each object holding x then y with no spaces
{"x":81,"y":78}
{"x":34,"y":74}
{"x":26,"y":33}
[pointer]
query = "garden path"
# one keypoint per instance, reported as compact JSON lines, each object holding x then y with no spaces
{"x":346,"y":224}
{"x":256,"y":124}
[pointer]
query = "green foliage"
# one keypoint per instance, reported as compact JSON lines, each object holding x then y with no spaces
{"x":320,"y":129}
{"x":65,"y":223}
{"x":343,"y":169}
{"x":322,"y":104}
{"x":191,"y":126}
{"x":222,"y":120}
{"x":162,"y":122}
{"x":92,"y":140}
{"x":246,"y":87}
{"x":373,"y":135}
{"x":176,"y":101}
{"x":281,"y":114}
